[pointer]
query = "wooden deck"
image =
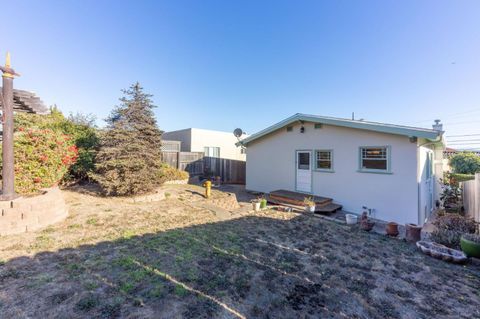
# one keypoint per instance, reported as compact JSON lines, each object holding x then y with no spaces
{"x":295,"y":198}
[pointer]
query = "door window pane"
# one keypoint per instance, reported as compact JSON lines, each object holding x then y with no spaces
{"x":303,"y":160}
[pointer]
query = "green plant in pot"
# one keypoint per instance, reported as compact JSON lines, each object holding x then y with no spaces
{"x":263,"y":202}
{"x":470,"y":244}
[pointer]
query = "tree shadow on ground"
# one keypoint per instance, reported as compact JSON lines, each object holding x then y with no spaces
{"x":251,"y":267}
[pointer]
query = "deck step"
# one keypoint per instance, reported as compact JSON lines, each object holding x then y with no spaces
{"x":329,"y":208}
{"x":295,"y":198}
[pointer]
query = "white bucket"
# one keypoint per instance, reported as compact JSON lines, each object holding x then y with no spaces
{"x":351,"y":219}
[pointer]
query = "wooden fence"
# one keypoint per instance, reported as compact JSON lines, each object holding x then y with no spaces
{"x":196,"y":164}
{"x":231,"y":171}
{"x":471,"y":197}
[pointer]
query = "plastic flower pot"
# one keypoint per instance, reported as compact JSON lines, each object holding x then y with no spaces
{"x":392,"y":229}
{"x":412,"y":232}
{"x":263,"y":203}
{"x":351,"y":219}
{"x":470,"y":248}
{"x":310,"y":208}
{"x":367,"y":225}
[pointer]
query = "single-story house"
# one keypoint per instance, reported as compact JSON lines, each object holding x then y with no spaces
{"x":392,"y":170}
{"x":215,"y":144}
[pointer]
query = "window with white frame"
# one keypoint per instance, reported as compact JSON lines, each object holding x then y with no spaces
{"x":212,"y":151}
{"x":324,"y":160}
{"x":374,"y":158}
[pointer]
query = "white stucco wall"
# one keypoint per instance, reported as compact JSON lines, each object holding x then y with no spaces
{"x":195,"y":140}
{"x":225,"y":140}
{"x":394,"y":197}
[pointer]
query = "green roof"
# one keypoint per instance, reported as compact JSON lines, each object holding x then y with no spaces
{"x":430,"y":134}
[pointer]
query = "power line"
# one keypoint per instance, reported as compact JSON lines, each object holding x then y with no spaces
{"x":465,"y":135}
{"x":458,"y":123}
{"x":452,"y":115}
{"x":465,"y":141}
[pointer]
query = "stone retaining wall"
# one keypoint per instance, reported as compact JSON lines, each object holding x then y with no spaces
{"x":30,"y":213}
{"x":154,"y":197}
{"x":228,"y":202}
{"x":177,"y":182}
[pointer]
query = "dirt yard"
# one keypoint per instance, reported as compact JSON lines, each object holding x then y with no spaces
{"x":181,"y":258}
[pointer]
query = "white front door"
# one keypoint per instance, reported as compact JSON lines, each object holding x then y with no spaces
{"x":303,"y":164}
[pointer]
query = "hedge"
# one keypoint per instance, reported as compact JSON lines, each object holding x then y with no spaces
{"x":42,"y":158}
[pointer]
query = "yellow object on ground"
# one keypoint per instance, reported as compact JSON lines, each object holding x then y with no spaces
{"x":208,"y":188}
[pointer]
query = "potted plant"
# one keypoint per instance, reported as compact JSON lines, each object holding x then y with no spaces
{"x":470,"y":244}
{"x":413,"y":232}
{"x":256,"y":205}
{"x":366,"y":223}
{"x":263,"y":202}
{"x":309,"y":204}
{"x":392,"y":229}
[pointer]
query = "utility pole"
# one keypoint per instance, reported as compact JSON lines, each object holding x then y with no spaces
{"x":8,"y":177}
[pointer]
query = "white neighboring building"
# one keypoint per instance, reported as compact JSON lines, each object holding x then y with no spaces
{"x":391,"y":169}
{"x":215,"y":144}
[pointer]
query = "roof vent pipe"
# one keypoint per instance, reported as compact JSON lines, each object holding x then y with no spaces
{"x":437,"y":126}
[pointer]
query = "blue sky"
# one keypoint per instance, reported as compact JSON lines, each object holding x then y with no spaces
{"x":226,"y":64}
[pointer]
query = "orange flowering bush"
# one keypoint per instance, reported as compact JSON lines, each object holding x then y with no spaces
{"x":42,"y":158}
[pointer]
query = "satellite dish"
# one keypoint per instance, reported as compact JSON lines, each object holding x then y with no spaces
{"x":238,"y":132}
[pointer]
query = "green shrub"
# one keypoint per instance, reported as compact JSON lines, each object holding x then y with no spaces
{"x":42,"y":158}
{"x":169,"y":173}
{"x":79,"y":127}
{"x":450,"y":227}
{"x":451,"y":193}
{"x":465,"y":163}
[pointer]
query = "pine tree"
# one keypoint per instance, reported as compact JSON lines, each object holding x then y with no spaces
{"x":129,"y":157}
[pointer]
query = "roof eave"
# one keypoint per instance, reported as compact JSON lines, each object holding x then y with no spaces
{"x":410,"y":132}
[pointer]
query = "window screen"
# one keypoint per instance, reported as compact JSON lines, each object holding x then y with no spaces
{"x":324,"y":159}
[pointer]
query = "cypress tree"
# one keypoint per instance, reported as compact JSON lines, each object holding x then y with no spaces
{"x":129,"y":157}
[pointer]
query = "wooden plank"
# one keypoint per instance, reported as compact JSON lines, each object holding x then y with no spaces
{"x":326,"y":209}
{"x":329,"y":208}
{"x":296,"y":198}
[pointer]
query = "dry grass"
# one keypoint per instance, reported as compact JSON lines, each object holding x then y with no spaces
{"x":177,"y":258}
